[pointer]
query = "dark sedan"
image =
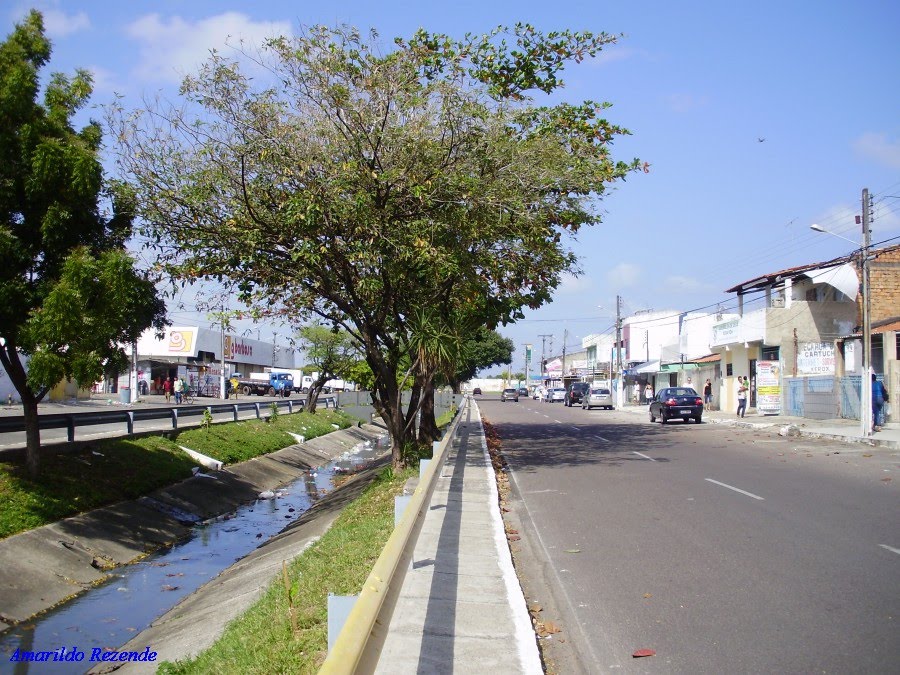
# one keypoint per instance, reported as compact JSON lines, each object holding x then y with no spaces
{"x":676,"y":403}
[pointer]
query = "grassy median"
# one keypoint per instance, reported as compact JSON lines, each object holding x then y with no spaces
{"x":111,"y":470}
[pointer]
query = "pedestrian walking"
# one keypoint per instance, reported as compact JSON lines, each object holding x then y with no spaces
{"x":648,"y":393}
{"x":742,"y":396}
{"x":167,"y":389}
{"x":879,"y":398}
{"x":689,"y":383}
{"x":179,"y":388}
{"x":707,"y":392}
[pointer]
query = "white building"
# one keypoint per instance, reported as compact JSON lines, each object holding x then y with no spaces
{"x":196,"y":354}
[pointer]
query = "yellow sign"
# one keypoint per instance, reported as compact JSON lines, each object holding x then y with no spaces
{"x":181,"y":340}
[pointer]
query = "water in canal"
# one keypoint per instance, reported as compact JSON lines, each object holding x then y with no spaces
{"x":108,"y":615}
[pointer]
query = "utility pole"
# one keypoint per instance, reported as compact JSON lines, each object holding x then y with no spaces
{"x":619,"y":383}
{"x":544,"y":353}
{"x":222,"y":354}
{"x":562,"y":372}
{"x":865,"y":412}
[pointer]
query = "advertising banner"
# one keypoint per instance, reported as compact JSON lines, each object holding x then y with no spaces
{"x":768,"y":387}
{"x":815,"y":358}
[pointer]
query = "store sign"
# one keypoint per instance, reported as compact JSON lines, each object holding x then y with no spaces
{"x":237,"y":350}
{"x":181,"y":340}
{"x":727,"y":332}
{"x":768,"y":387}
{"x":815,"y":358}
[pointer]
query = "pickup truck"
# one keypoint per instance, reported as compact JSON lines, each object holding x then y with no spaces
{"x":266,"y":384}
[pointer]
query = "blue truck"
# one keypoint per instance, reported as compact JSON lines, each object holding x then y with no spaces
{"x":265,"y":384}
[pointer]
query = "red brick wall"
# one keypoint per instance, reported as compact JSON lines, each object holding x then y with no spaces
{"x":884,"y":283}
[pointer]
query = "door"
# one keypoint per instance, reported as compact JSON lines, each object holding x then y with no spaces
{"x":752,"y":402}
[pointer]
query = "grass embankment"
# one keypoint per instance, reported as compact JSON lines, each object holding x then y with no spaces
{"x":261,"y":640}
{"x":112,"y":470}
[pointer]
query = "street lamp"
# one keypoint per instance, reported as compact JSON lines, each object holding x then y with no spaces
{"x":865,"y":388}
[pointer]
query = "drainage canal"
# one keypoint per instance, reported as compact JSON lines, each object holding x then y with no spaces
{"x":108,"y":615}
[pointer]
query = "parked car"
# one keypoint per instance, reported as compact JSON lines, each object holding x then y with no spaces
{"x":555,"y":394}
{"x":575,"y":393}
{"x":509,"y":395}
{"x":676,"y":403}
{"x":597,"y":397}
{"x":476,"y":391}
{"x":523,"y":391}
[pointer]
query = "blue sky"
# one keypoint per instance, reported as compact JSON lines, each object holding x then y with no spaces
{"x":699,"y":84}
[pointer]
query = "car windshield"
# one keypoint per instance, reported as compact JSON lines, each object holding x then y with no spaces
{"x":600,"y":392}
{"x":559,"y":389}
{"x":682,"y":392}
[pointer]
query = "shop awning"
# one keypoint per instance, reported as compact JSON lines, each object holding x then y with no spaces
{"x":648,"y":367}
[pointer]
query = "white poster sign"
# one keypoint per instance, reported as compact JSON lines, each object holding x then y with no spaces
{"x":768,"y":387}
{"x":815,"y":358}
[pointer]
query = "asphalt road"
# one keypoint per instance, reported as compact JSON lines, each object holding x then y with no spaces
{"x":725,"y":550}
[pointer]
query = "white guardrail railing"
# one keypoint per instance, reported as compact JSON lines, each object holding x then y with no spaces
{"x":358,"y":646}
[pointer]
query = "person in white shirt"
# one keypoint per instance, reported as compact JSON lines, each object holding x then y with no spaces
{"x":742,"y":388}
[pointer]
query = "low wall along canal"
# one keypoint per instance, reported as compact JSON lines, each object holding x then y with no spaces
{"x":198,"y":528}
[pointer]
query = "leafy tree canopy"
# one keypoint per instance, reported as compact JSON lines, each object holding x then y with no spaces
{"x":69,"y":292}
{"x":368,"y":187}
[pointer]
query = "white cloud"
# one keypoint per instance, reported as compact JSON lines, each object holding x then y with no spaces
{"x":104,"y":79}
{"x":623,"y":275}
{"x":59,"y":24}
{"x":879,"y":148}
{"x":173,"y":47}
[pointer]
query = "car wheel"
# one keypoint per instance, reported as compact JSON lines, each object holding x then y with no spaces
{"x":662,"y":417}
{"x":698,"y":420}
{"x":652,"y":416}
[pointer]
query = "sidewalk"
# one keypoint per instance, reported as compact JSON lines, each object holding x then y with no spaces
{"x":461,"y":608}
{"x":847,"y":431}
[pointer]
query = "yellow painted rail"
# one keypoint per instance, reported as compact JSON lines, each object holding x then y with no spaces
{"x":359,"y":644}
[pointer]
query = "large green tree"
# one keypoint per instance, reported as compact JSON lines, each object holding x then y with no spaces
{"x":364,"y":186}
{"x":331,"y":352}
{"x":69,"y":291}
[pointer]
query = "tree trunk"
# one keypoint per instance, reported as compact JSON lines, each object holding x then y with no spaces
{"x":428,"y":428}
{"x":32,"y":435}
{"x":9,"y":358}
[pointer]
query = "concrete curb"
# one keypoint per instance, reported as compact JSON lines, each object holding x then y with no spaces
{"x":48,"y":565}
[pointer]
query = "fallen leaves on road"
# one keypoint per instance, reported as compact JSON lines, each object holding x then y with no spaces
{"x":640,"y":653}
{"x":648,"y":595}
{"x":573,"y":550}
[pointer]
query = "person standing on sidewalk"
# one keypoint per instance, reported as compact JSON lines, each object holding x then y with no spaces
{"x":648,"y":393}
{"x":879,"y":398}
{"x":742,"y":396}
{"x":707,"y":392}
{"x":179,"y":387}
{"x":167,"y":389}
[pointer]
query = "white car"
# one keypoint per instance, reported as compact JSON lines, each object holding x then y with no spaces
{"x":555,"y":394}
{"x":597,"y":397}
{"x":538,"y":394}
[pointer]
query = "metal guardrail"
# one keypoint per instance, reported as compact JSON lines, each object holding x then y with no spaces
{"x":359,"y":643}
{"x":71,"y":421}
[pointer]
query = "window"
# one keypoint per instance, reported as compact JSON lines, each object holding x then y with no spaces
{"x":770,"y":353}
{"x":815,"y":294}
{"x":728,"y":371}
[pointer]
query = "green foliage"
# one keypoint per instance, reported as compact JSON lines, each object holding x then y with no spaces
{"x":273,"y":412}
{"x":484,"y":348}
{"x":449,"y":200}
{"x":69,"y":292}
{"x":207,"y":420}
{"x":113,"y":470}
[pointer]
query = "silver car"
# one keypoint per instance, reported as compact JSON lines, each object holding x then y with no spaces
{"x":597,"y":397}
{"x":555,"y":394}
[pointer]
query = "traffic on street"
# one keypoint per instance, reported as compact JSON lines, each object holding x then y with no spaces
{"x":721,"y":549}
